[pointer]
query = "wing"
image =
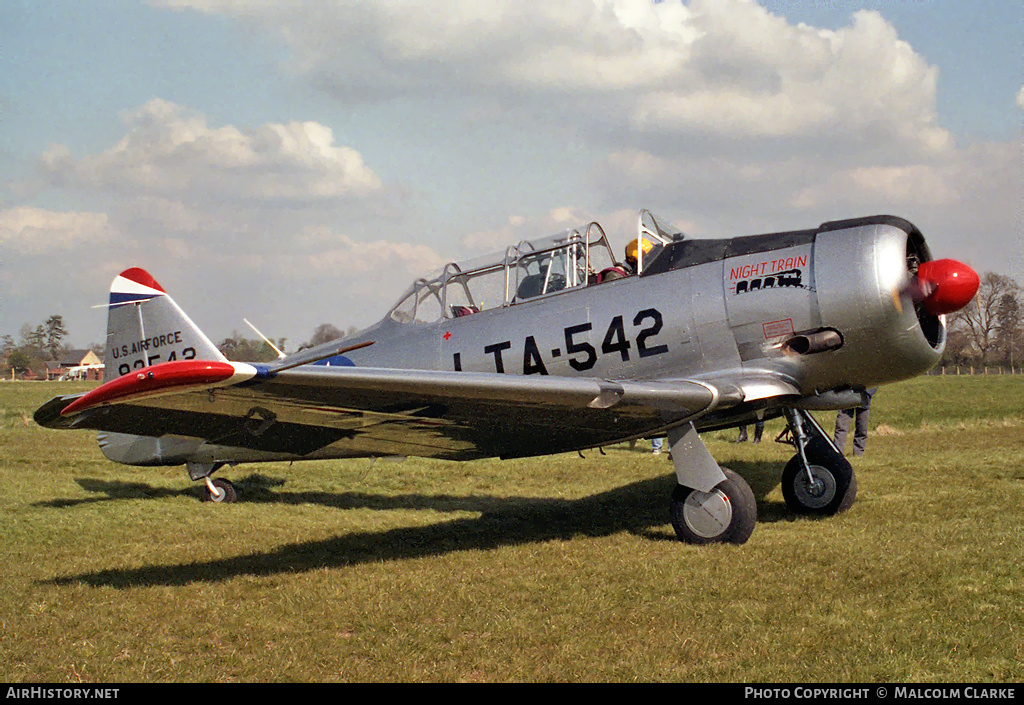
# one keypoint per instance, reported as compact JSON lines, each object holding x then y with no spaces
{"x":315,"y":411}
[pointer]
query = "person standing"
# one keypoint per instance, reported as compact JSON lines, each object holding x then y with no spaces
{"x":860,"y":432}
{"x":657,"y":443}
{"x":758,"y":430}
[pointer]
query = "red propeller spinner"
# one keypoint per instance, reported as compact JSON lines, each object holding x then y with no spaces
{"x":945,"y":286}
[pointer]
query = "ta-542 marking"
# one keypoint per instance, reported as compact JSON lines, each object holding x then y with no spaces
{"x":582,"y":355}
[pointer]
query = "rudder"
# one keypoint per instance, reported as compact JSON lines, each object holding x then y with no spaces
{"x":146,"y":327}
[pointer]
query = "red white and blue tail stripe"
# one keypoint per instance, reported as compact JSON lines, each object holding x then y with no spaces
{"x":134,"y":286}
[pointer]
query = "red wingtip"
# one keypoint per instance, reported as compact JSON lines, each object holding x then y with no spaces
{"x":950,"y":285}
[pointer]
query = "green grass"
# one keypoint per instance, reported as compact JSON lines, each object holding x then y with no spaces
{"x":545,"y":569}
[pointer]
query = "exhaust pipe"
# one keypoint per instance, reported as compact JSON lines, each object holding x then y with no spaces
{"x":813,"y":342}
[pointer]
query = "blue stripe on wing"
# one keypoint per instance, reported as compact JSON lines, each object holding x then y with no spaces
{"x":335,"y":361}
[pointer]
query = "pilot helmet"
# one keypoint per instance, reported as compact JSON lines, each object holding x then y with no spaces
{"x":631,"y":248}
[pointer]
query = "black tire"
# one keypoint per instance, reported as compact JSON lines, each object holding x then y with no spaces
{"x":727,"y":514}
{"x":230,"y":493}
{"x":835,"y":493}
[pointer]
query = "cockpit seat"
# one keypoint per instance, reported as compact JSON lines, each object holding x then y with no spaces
{"x":460,"y":311}
{"x":533,"y":285}
{"x":610,"y":274}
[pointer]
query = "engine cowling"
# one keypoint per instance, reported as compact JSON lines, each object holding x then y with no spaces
{"x":878,"y":286}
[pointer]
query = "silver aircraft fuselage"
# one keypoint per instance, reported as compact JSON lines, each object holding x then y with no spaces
{"x":704,"y":309}
{"x":805,"y":319}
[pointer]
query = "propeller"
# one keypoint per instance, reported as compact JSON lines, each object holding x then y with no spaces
{"x":943,"y":286}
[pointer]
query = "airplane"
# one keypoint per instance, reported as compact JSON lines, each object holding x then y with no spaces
{"x":550,"y":346}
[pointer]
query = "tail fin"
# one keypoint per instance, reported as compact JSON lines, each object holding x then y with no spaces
{"x":145,"y":327}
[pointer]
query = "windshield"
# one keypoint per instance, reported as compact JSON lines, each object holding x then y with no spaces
{"x":530,"y":269}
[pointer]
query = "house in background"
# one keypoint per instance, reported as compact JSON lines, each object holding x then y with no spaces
{"x":76,"y":365}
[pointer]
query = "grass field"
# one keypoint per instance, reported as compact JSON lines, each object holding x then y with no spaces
{"x":548,"y":569}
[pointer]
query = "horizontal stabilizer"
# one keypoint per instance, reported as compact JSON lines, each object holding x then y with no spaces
{"x":49,"y":414}
{"x":168,"y":378}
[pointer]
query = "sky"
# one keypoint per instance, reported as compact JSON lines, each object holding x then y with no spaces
{"x":299,"y":163}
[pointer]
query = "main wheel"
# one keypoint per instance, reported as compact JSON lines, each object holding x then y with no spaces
{"x":831,"y":489}
{"x":227,"y":492}
{"x":727,"y":514}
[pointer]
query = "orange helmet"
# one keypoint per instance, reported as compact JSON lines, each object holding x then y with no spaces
{"x":631,"y":248}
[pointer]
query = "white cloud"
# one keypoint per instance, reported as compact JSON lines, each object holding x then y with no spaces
{"x":337,"y":253}
{"x":520,"y":228}
{"x":150,"y":214}
{"x":899,"y":186}
{"x":988,"y":173}
{"x":169,"y":151}
{"x":723,"y":118}
{"x":727,"y":195}
{"x":760,"y":77}
{"x":697,"y":188}
{"x":34,"y":231}
{"x":323,"y":275}
{"x":720,"y":67}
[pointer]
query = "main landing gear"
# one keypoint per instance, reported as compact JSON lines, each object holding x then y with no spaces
{"x":726,"y":514}
{"x":710,"y":504}
{"x":219,"y":490}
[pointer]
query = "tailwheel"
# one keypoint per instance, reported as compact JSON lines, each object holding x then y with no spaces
{"x":220,"y":491}
{"x":823,"y":489}
{"x":727,"y":514}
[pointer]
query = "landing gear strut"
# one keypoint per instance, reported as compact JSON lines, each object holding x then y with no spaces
{"x":818,"y":480}
{"x":219,"y":490}
{"x":710,"y":504}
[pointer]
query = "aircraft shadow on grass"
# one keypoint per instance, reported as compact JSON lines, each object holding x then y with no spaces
{"x":637,"y":508}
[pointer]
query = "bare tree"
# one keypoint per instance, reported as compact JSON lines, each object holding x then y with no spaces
{"x":980,"y":318}
{"x":243,"y":349}
{"x":958,"y":349}
{"x":324,"y":333}
{"x":33,"y":339}
{"x":1010,"y":322}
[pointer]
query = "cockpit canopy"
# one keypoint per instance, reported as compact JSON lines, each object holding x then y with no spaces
{"x":530,"y":269}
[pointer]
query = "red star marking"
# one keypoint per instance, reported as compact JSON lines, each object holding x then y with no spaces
{"x":447,"y":335}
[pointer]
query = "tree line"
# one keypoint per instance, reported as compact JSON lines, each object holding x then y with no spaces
{"x":34,"y":347}
{"x":990,"y":329}
{"x":241,"y":349}
{"x":28,"y":354}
